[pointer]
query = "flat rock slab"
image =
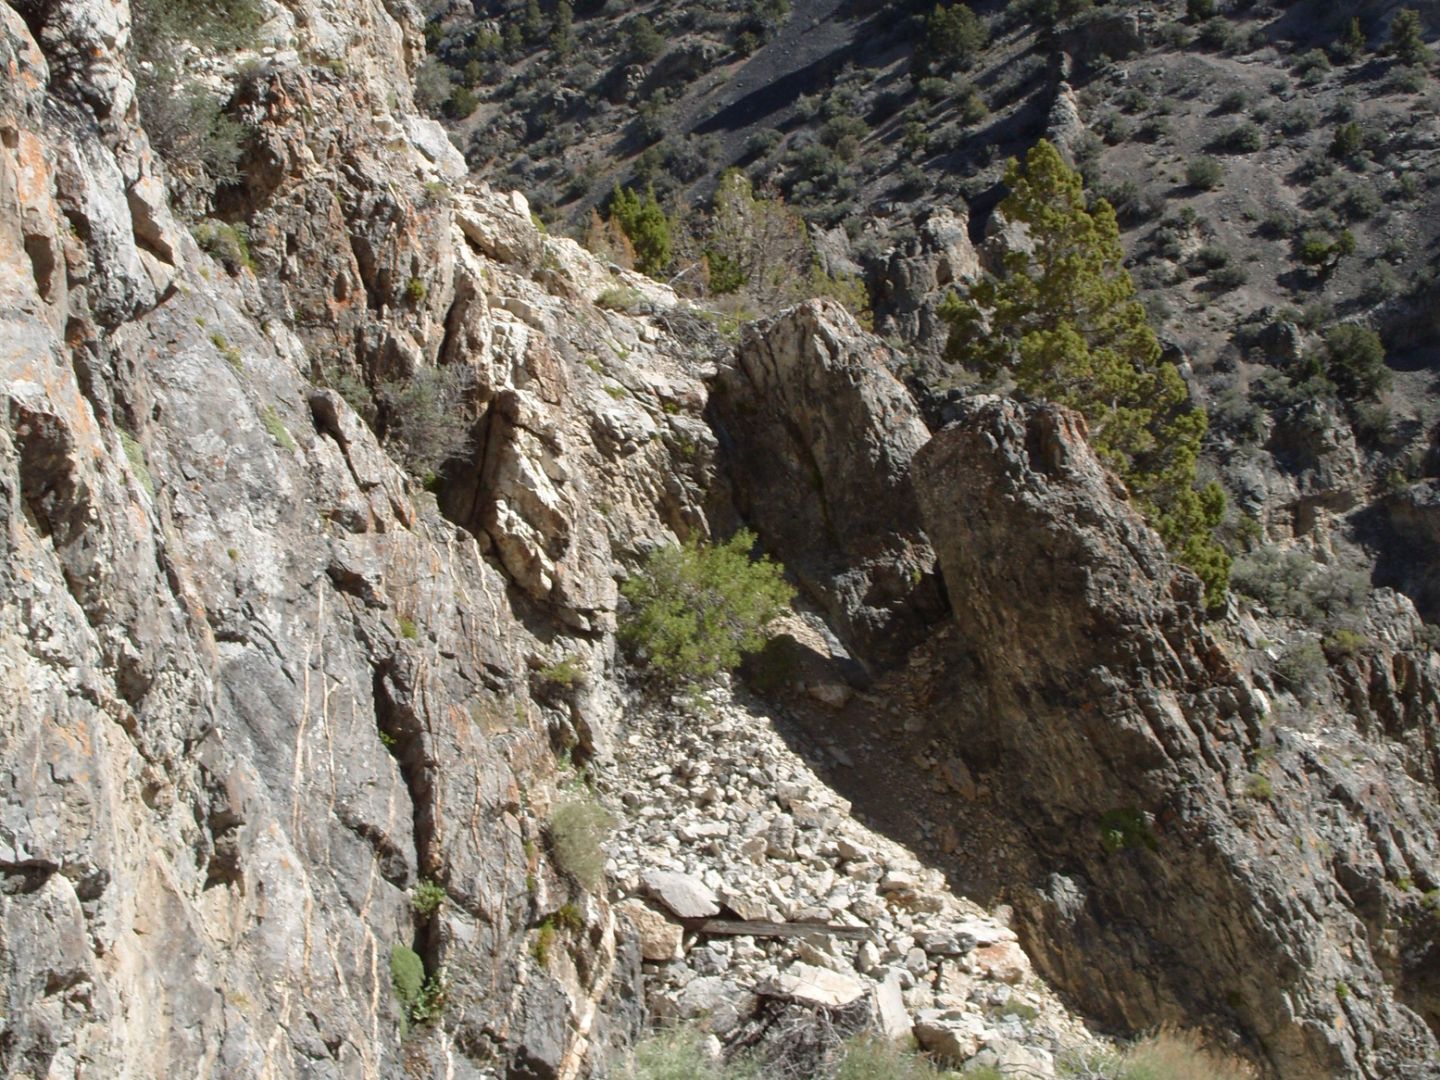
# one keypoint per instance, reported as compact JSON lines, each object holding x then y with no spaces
{"x":891,"y":1017}
{"x":1004,"y":961}
{"x":687,"y":897}
{"x":815,"y":986}
{"x":659,"y":937}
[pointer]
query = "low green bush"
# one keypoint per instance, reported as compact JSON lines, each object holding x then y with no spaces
{"x":696,"y":610}
{"x":1244,"y":138}
{"x":577,"y":831}
{"x":427,"y":897}
{"x":407,"y":974}
{"x":1204,"y":173}
{"x":1302,"y":669}
{"x":1355,"y":362}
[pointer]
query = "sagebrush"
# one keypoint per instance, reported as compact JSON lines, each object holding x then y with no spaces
{"x":577,"y":831}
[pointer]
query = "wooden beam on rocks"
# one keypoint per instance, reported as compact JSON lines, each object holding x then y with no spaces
{"x":765,"y":928}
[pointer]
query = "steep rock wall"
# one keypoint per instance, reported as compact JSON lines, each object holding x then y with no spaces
{"x":818,"y":439}
{"x":1182,"y":849}
{"x":256,"y":684}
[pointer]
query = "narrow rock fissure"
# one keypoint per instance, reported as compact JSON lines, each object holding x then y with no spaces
{"x":406,"y":742}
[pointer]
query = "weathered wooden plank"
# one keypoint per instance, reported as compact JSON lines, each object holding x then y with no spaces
{"x":764,"y":928}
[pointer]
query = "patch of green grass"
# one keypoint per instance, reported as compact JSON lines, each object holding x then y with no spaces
{"x":277,"y":429}
{"x":543,"y":943}
{"x":135,"y":454}
{"x":408,"y":630}
{"x":566,"y":672}
{"x":568,"y":917}
{"x":229,"y":352}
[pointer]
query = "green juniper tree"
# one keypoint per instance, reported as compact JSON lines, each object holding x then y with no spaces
{"x":951,"y":38}
{"x":643,"y":221}
{"x":1063,"y":322}
{"x":1407,"y":42}
{"x":1351,"y":43}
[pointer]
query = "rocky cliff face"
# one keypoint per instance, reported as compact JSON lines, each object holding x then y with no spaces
{"x":819,"y":436}
{"x":257,"y":684}
{"x":1225,"y":854}
{"x":260,"y":683}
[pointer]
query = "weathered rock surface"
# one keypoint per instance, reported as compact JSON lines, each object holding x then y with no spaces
{"x":256,"y":685}
{"x":919,"y":274}
{"x":818,"y":435}
{"x":1189,"y":855}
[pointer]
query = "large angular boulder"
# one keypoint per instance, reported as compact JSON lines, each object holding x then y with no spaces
{"x":819,"y":435}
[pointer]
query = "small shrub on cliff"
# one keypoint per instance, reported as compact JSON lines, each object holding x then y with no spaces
{"x":565,"y":673}
{"x":1302,"y":669}
{"x":424,"y":419}
{"x":184,"y":118}
{"x":577,"y":831}
{"x":421,"y":998}
{"x":427,"y":898}
{"x":228,"y":243}
{"x":696,"y":610}
{"x":407,"y":974}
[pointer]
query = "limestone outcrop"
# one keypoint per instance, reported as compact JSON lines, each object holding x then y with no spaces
{"x":258,"y":686}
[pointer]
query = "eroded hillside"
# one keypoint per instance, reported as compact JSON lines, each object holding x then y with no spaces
{"x":321,"y":465}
